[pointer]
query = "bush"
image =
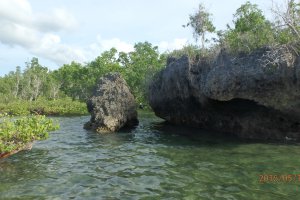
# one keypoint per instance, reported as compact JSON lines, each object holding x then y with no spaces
{"x":59,"y":107}
{"x":15,"y":134}
{"x":62,"y":107}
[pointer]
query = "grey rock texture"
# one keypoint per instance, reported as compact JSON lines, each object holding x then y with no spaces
{"x":254,"y":96}
{"x":112,"y":106}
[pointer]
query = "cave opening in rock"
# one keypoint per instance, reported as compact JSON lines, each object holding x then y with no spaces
{"x":237,"y":106}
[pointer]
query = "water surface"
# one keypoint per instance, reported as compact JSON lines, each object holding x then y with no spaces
{"x":153,"y":161}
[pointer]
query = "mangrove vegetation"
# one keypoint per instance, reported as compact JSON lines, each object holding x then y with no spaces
{"x":17,"y":133}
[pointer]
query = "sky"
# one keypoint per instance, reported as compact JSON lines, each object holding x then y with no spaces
{"x":60,"y":31}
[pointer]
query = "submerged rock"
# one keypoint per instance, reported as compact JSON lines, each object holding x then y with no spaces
{"x":254,"y":96}
{"x":112,"y":106}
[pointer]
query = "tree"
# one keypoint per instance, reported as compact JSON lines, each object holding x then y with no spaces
{"x":73,"y":79}
{"x":52,"y":87}
{"x":34,"y":82}
{"x":248,"y":18}
{"x":287,"y":21}
{"x":11,"y":83}
{"x":251,"y":29}
{"x":106,"y":62}
{"x":34,"y":78}
{"x":18,"y":77}
{"x":201,"y":23}
{"x":141,"y":65}
{"x":6,"y":87}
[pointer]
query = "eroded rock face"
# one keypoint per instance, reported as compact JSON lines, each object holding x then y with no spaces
{"x":255,"y":96}
{"x":112,"y":105}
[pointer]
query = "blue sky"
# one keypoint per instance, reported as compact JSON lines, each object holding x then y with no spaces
{"x":59,"y":31}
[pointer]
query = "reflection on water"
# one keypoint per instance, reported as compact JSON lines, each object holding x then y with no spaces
{"x":154,"y":161}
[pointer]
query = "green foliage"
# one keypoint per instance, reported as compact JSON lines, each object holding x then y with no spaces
{"x":16,"y":133}
{"x":251,"y":30}
{"x":137,"y":68}
{"x":35,"y":81}
{"x":248,"y":17}
{"x":287,"y":24}
{"x":192,"y":51}
{"x":73,"y":79}
{"x":60,"y":92}
{"x":18,"y":107}
{"x":140,"y":67}
{"x":57,"y":107}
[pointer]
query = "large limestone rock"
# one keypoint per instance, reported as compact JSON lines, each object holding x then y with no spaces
{"x":254,"y":96}
{"x":112,"y":106}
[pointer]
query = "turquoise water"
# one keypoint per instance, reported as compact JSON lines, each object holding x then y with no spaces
{"x":154,"y":161}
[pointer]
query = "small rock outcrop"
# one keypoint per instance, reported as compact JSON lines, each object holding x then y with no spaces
{"x":112,"y":106}
{"x":254,"y":96}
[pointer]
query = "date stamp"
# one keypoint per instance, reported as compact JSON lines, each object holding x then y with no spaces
{"x":279,"y":178}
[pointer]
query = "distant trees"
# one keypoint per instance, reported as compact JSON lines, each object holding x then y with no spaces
{"x":77,"y":81}
{"x":30,"y":84}
{"x":73,"y":79}
{"x":34,"y":79}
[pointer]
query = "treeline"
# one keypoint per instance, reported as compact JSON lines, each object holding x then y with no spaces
{"x":137,"y":68}
{"x":35,"y":81}
{"x":76,"y":80}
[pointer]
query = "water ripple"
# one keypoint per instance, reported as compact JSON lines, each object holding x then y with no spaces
{"x":154,"y":161}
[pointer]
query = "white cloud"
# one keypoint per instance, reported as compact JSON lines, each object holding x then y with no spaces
{"x":101,"y":44}
{"x":177,"y":43}
{"x":39,"y":33}
{"x":106,"y":44}
{"x":20,"y":26}
{"x":18,"y":11}
{"x":58,"y":19}
{"x":17,"y":34}
{"x":51,"y":48}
